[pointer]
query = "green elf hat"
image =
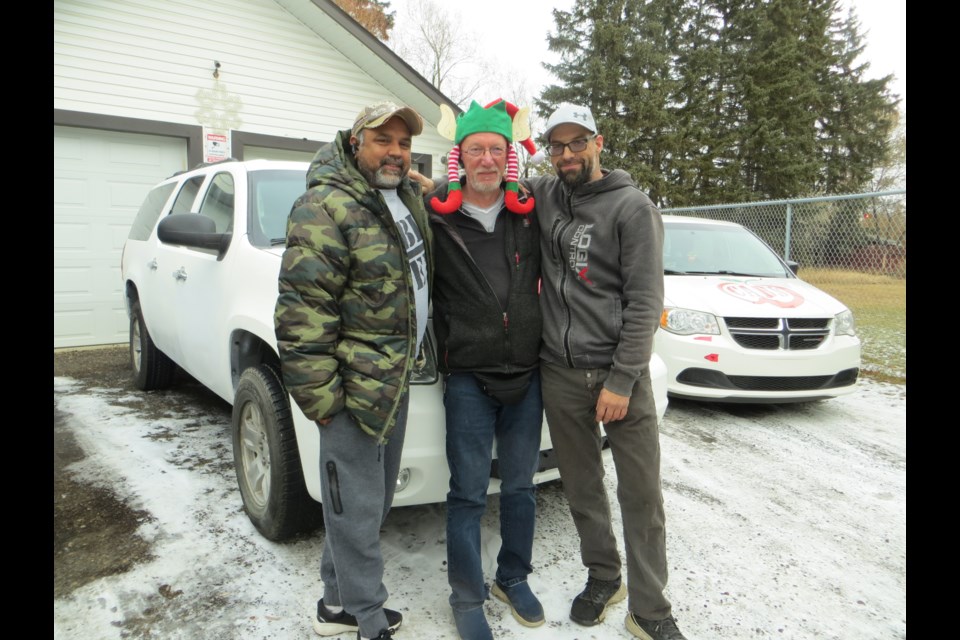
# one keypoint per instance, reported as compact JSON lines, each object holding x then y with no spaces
{"x":497,"y":117}
{"x":476,"y":119}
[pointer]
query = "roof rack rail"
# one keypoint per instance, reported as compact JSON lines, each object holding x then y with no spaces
{"x":201,"y":165}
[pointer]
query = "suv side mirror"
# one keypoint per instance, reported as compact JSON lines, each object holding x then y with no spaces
{"x":193,"y":230}
{"x":794,"y":266}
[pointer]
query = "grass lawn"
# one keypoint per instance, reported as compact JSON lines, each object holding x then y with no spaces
{"x":879,"y":305}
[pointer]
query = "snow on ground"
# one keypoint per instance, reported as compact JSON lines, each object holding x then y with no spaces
{"x":783,"y":521}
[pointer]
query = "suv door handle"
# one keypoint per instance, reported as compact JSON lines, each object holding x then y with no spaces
{"x":152,"y":265}
{"x":180,"y":274}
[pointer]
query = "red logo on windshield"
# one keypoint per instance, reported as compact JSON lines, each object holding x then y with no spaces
{"x":763,"y":294}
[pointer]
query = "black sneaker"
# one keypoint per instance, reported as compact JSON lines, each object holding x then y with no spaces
{"x":328,"y":623}
{"x":665,"y":629}
{"x":590,"y":607}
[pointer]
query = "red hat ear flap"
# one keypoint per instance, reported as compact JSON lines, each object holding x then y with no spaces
{"x":511,"y":197}
{"x":454,"y":195}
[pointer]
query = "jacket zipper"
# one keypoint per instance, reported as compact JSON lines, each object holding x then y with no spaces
{"x":448,"y":228}
{"x":559,"y":228}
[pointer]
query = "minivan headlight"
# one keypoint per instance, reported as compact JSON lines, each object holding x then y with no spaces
{"x":843,"y":323}
{"x":685,"y":322}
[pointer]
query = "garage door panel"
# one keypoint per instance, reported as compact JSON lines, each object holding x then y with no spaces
{"x":68,"y":147}
{"x":70,"y":239}
{"x":70,"y":192}
{"x":81,"y":279}
{"x":77,"y":325}
{"x":100,"y":180}
{"x":116,"y":236}
{"x":128,"y":155}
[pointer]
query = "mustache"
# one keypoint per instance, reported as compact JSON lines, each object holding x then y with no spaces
{"x":392,"y":162}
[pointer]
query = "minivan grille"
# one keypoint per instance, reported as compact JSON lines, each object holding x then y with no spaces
{"x":779,"y":333}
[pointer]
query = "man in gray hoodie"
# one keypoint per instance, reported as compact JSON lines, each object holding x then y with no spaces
{"x":602,"y":269}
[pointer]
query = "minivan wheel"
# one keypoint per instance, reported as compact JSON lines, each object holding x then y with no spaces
{"x":266,"y":457}
{"x":152,"y":369}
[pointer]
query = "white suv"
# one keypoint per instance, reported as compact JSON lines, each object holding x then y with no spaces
{"x":200,"y":270}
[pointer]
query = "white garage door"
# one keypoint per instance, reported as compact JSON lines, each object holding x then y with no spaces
{"x":99,"y":180}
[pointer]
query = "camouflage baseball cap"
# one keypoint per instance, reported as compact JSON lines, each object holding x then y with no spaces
{"x":374,"y":115}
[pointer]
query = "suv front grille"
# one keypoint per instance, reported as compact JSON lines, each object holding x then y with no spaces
{"x":779,"y":333}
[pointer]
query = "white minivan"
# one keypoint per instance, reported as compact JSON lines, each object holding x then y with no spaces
{"x":738,"y":325}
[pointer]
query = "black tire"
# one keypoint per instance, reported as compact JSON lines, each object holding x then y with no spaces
{"x":267,"y":459}
{"x":152,"y":369}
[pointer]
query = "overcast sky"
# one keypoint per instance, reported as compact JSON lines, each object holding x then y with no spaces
{"x":516,"y":33}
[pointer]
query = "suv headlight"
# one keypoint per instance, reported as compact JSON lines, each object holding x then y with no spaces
{"x":685,"y":322}
{"x":843,"y":324}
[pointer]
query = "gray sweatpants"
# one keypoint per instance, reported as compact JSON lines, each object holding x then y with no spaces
{"x":358,"y":478}
{"x":570,"y":400}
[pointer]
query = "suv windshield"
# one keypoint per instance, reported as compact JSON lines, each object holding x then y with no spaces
{"x":694,"y":249}
{"x":272,"y":194}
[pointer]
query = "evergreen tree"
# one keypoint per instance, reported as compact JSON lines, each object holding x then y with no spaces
{"x":615,"y":59}
{"x":857,"y":117}
{"x":706,"y":167}
{"x":707,"y":101}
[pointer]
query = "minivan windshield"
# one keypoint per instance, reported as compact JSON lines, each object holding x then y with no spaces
{"x":705,"y":249}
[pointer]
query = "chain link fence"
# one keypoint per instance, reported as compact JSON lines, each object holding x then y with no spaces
{"x":854,"y":247}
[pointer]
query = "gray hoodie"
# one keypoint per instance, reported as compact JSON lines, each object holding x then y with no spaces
{"x":602,"y":265}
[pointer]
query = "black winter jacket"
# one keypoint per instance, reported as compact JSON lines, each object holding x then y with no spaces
{"x":473,"y":329}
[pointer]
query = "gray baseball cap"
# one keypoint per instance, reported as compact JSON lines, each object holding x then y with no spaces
{"x":374,"y":115}
{"x":568,"y":113}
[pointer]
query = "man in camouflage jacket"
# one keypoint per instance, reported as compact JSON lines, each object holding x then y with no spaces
{"x":350,"y":317}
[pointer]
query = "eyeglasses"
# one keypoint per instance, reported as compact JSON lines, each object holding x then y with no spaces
{"x":576,"y":146}
{"x":477,"y":152}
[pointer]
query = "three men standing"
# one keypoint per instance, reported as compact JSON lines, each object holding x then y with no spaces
{"x":359,"y":235}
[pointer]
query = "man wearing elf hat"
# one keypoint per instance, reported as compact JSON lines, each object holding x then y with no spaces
{"x":487,"y":323}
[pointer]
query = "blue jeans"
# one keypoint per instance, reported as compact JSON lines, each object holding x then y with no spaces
{"x":474,"y":420}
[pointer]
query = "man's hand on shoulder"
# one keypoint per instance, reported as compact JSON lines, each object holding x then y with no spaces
{"x":424,"y":181}
{"x":611,"y":406}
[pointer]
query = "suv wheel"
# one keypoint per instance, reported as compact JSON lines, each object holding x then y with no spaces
{"x":267,"y":459}
{"x":152,"y":369}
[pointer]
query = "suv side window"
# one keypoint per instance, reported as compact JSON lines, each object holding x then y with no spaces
{"x":218,"y":202}
{"x":188,"y":193}
{"x":149,"y":211}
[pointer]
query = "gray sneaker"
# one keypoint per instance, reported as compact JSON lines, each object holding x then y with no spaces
{"x":590,"y":607}
{"x":665,"y":629}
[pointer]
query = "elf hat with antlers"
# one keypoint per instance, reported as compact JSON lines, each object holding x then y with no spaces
{"x":497,"y":117}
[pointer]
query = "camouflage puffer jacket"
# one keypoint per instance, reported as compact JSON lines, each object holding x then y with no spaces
{"x":345,"y":319}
